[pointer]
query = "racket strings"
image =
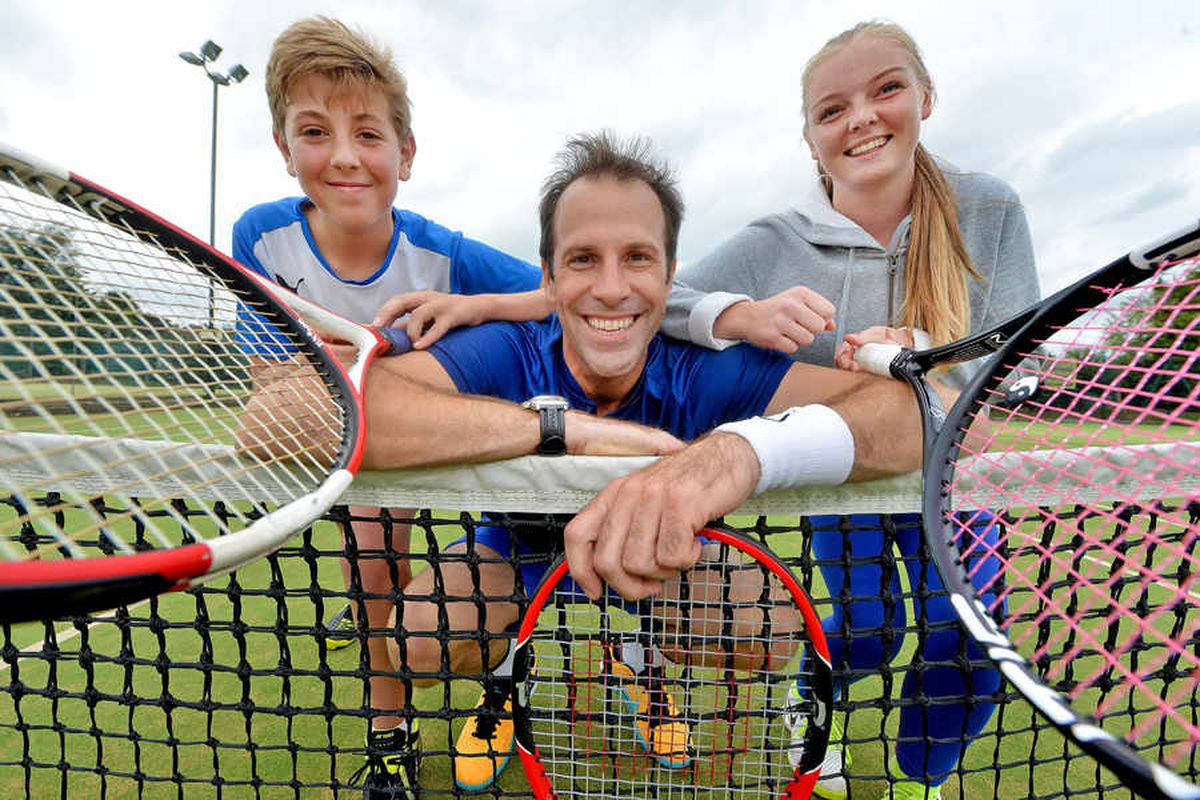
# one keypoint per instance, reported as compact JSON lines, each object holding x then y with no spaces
{"x":1092,"y":572}
{"x":125,"y":373}
{"x":680,"y":696}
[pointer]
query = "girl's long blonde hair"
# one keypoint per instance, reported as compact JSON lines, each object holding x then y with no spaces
{"x":937,"y":265}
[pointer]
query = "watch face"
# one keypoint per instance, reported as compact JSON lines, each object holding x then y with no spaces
{"x":548,"y":401}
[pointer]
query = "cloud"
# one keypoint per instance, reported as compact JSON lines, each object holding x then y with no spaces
{"x":1066,"y":104}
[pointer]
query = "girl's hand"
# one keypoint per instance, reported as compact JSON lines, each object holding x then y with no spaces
{"x":844,"y":357}
{"x":784,"y":322}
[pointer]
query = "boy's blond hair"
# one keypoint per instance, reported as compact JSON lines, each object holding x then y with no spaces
{"x":324,"y":46}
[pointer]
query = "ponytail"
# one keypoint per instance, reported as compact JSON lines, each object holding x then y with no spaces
{"x":937,"y":265}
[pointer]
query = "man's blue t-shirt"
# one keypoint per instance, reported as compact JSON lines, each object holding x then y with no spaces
{"x":685,"y":389}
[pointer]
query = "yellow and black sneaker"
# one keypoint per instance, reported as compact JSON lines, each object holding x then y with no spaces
{"x":340,"y":631}
{"x":486,"y":741}
{"x":659,"y":727}
{"x":393,"y":759}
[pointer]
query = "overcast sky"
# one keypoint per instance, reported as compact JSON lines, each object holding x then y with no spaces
{"x":1091,"y":110}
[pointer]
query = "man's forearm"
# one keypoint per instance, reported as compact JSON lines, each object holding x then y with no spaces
{"x":886,"y":424}
{"x":412,"y":421}
{"x":411,"y":424}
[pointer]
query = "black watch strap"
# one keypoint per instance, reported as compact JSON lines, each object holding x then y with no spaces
{"x":554,"y":432}
{"x":552,"y":415}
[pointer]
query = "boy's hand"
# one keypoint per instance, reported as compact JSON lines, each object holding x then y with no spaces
{"x":784,"y":322}
{"x":431,"y":314}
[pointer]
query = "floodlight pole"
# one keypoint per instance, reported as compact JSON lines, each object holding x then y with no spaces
{"x":209,"y":52}
{"x":212,"y":175}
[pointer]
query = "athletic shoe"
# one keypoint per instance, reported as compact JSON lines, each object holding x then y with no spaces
{"x":660,"y":729}
{"x":393,"y":759}
{"x":902,"y":787}
{"x":832,"y":785}
{"x":486,"y":741}
{"x":340,"y":631}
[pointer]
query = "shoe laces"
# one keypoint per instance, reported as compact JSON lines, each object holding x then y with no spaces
{"x":496,"y":693}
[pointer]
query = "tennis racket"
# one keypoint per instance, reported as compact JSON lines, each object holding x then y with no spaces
{"x":130,"y":354}
{"x":678,"y":695}
{"x":1062,"y":510}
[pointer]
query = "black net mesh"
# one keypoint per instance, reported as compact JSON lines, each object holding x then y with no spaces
{"x":240,"y":688}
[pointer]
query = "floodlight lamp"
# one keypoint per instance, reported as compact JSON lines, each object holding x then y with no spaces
{"x":210,"y":50}
{"x":219,"y":78}
{"x":192,"y":58}
{"x":238,"y":73}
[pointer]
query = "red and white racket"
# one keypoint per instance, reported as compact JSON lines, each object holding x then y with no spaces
{"x":129,"y":351}
{"x":680,"y":695}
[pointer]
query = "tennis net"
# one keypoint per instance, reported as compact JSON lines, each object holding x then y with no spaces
{"x":235,"y":688}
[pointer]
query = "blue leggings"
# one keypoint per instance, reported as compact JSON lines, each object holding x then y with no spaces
{"x":865,"y":634}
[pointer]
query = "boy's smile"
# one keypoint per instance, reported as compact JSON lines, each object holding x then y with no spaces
{"x":340,"y":144}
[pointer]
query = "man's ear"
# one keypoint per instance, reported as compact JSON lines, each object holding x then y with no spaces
{"x":408,"y":151}
{"x":281,"y":143}
{"x":548,"y":280}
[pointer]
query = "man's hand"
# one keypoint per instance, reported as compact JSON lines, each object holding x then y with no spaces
{"x":785,"y":322}
{"x":431,"y":314}
{"x":640,"y":530}
{"x":589,"y":435}
{"x":843,"y":358}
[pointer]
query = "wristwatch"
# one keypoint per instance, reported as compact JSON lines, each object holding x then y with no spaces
{"x":552,"y":411}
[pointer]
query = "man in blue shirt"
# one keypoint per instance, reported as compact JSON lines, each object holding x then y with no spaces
{"x":610,"y":220}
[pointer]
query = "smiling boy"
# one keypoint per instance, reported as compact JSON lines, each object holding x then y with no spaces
{"x":341,"y":119}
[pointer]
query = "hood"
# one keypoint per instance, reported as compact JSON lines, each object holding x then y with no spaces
{"x":818,"y":222}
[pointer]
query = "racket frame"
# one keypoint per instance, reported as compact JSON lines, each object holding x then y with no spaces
{"x":46,"y":589}
{"x":943,"y":434}
{"x":806,"y":774}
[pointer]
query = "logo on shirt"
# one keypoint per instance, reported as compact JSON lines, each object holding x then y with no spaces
{"x":282,"y":282}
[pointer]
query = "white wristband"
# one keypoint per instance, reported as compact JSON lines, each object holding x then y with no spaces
{"x":802,"y":446}
{"x":921,"y":339}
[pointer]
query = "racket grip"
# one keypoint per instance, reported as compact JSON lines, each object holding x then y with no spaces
{"x":397,"y":340}
{"x":877,"y":357}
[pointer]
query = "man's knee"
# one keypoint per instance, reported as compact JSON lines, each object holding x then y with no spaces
{"x":415,"y":648}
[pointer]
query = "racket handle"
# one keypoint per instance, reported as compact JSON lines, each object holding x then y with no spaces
{"x":397,"y":339}
{"x":877,"y":357}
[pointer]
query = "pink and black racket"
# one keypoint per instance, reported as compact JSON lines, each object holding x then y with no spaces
{"x":1062,"y":507}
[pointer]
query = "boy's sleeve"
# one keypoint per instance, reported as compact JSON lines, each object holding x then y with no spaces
{"x":476,"y":268}
{"x":243,"y":247}
{"x":252,"y":332}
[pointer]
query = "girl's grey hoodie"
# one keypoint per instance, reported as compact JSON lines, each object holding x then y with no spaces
{"x":816,"y":246}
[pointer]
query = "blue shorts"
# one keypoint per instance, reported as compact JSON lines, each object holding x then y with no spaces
{"x":531,"y":553}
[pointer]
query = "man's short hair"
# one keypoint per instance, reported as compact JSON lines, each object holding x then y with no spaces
{"x":590,"y":155}
{"x":324,"y":46}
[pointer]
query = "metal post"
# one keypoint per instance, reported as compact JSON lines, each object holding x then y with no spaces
{"x":212,"y":186}
{"x":209,"y":52}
